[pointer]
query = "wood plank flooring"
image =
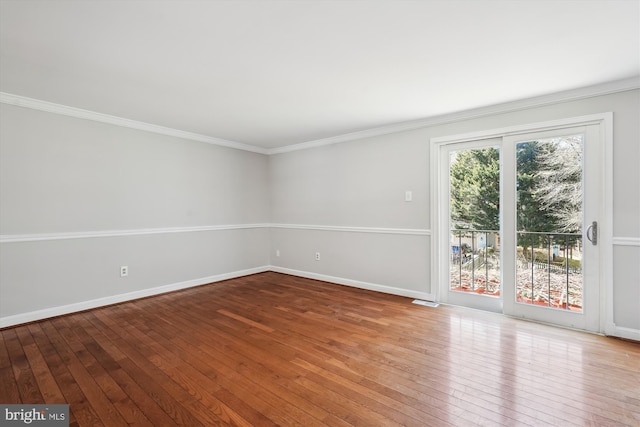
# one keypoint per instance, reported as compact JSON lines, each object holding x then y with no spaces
{"x":272,"y":349}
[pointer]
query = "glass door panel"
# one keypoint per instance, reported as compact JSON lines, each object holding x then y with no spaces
{"x":549,"y":222}
{"x":472,"y":176}
{"x":553,"y":267}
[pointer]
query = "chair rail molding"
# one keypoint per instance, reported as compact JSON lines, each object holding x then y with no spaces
{"x":19,"y":238}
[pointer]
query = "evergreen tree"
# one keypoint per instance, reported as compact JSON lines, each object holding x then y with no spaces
{"x":533,"y":214}
{"x":548,"y":182}
{"x":530,"y":217}
{"x":475,"y":189}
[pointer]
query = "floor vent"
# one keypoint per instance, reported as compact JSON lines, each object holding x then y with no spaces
{"x":425,"y":303}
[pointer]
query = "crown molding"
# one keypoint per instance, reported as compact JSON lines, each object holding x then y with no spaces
{"x":523,"y":104}
{"x":50,"y":107}
{"x":507,"y":107}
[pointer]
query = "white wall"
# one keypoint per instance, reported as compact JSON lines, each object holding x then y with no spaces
{"x":79,"y":198}
{"x":358,"y":184}
{"x":61,"y":175}
{"x":361,"y":184}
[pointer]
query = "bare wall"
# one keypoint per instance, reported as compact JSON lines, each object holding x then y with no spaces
{"x":320,"y":194}
{"x":88,"y":197}
{"x":213,"y":212}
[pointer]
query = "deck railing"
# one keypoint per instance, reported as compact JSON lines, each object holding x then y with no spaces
{"x":548,"y":266}
{"x":475,"y":261}
{"x":549,"y":269}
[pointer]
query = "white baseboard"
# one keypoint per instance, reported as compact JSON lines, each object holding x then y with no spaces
{"x":115,"y":299}
{"x":33,"y":316}
{"x":355,"y":283}
{"x":622,"y":332}
{"x":611,"y":330}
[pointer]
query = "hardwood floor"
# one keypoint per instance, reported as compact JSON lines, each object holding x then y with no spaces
{"x":274,"y":349}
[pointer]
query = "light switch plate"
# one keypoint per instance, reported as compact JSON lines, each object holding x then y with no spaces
{"x":408,"y":196}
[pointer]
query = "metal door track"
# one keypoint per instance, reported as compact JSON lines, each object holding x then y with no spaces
{"x":425,"y":303}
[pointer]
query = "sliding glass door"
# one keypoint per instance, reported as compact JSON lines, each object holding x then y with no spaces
{"x":518,"y":223}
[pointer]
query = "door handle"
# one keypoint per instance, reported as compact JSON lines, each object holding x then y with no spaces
{"x":593,"y":229}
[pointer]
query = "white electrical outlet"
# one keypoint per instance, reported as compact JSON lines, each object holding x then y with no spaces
{"x":277,"y":252}
{"x":124,"y":271}
{"x":317,"y":256}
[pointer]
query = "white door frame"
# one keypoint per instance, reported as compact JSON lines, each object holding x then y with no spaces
{"x":439,"y":210}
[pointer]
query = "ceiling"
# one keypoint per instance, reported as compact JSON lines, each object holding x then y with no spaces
{"x":276,"y":73}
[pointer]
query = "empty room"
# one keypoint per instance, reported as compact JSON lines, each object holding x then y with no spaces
{"x":310,"y":213}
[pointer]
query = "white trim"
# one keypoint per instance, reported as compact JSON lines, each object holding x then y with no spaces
{"x":623,"y":332}
{"x":355,"y":283}
{"x":19,"y":238}
{"x":348,"y":229}
{"x":18,"y":319}
{"x":437,"y":220}
{"x":115,"y":299}
{"x":523,"y":104}
{"x":548,"y":125}
{"x":50,"y":107}
{"x":606,"y":269}
{"x":626,"y":241}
